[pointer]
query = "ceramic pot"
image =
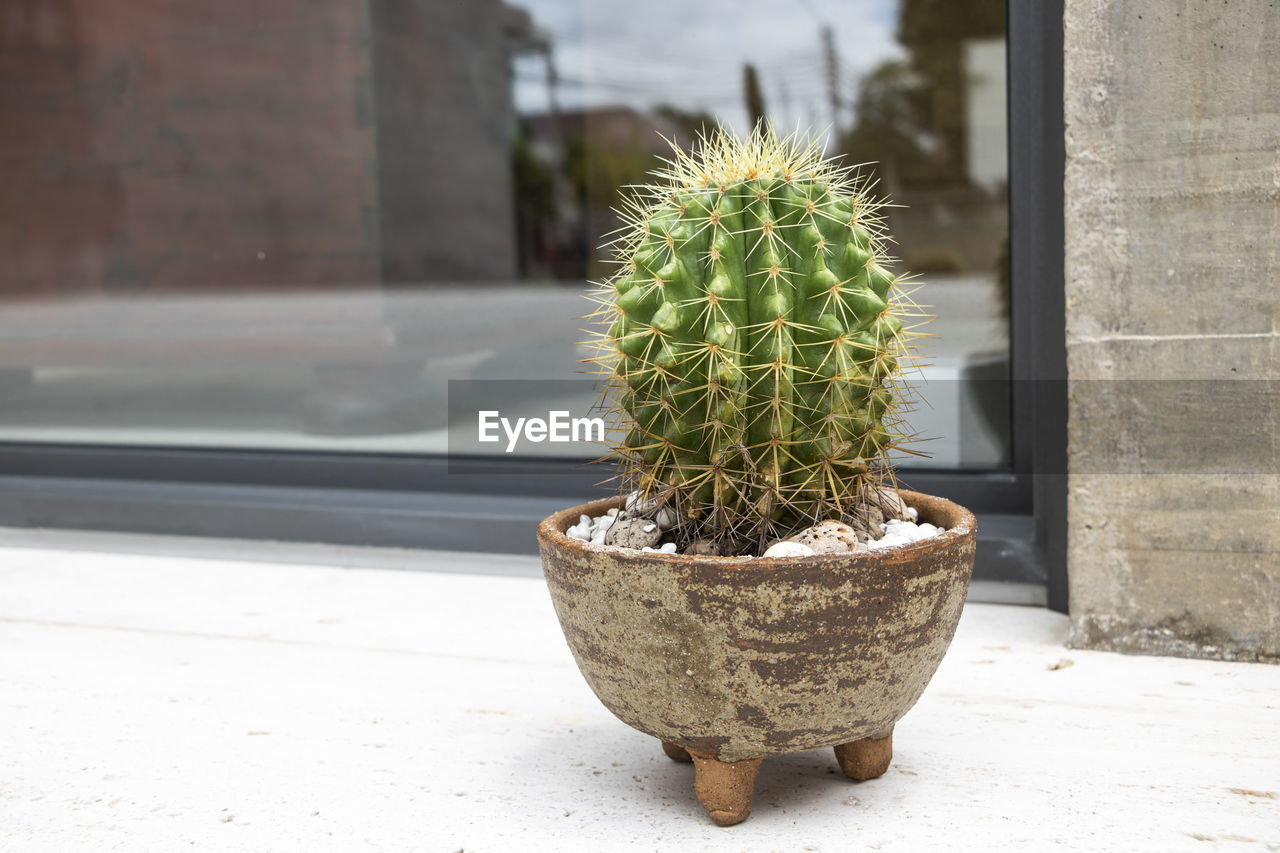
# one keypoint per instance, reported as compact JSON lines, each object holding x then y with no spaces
{"x":728,"y":660}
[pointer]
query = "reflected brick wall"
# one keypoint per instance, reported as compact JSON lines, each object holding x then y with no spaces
{"x":161,"y":145}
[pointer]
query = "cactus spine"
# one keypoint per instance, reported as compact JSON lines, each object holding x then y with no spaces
{"x":753,"y":339}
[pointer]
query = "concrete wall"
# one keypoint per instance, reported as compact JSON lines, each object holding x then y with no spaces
{"x":1172,"y":268}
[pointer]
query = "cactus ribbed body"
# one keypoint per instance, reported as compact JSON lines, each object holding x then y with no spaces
{"x":752,"y":340}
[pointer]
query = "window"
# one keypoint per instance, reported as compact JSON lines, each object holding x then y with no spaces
{"x":248,"y":249}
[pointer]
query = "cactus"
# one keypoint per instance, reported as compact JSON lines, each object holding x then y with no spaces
{"x":751,"y":343}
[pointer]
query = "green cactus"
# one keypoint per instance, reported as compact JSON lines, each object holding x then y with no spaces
{"x":755,"y":340}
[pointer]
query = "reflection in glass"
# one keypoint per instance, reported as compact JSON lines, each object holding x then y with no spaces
{"x":287,"y":225}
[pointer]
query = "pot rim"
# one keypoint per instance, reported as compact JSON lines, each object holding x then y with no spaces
{"x":965,"y":529}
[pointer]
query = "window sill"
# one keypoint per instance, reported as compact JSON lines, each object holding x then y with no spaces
{"x":264,"y":705}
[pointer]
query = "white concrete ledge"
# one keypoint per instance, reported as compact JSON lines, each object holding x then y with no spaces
{"x":153,"y":702}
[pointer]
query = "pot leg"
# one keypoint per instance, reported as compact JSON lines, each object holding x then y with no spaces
{"x":675,"y":752}
{"x":725,"y":789}
{"x":866,"y":758}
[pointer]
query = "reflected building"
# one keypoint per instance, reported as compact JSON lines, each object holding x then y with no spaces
{"x":587,"y":157}
{"x":256,"y":146}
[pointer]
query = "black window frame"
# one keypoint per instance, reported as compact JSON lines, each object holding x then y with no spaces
{"x":413,"y":501}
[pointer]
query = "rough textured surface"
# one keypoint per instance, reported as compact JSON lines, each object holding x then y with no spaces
{"x":1172,"y":216}
{"x":734,"y":658}
{"x":829,"y":537}
{"x":633,"y":533}
{"x":866,"y":524}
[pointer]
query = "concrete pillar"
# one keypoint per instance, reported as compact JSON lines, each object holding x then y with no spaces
{"x":1172,"y":272}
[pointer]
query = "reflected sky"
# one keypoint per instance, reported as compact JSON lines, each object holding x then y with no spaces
{"x":690,"y":53}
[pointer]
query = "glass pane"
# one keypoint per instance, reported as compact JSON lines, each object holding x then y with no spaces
{"x":288,"y":225}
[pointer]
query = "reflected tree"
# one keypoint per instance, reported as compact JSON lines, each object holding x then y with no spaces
{"x":911,"y":121}
{"x":691,"y":123}
{"x":752,"y":95}
{"x":893,"y":129}
{"x":935,"y":33}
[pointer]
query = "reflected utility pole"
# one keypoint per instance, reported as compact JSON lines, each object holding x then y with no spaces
{"x":832,"y":63}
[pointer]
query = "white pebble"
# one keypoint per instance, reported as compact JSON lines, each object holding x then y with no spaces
{"x":788,"y":549}
{"x":889,"y":540}
{"x":581,"y":530}
{"x":639,"y":507}
{"x":592,"y":530}
{"x":902,"y":533}
{"x":899,"y":528}
{"x":669,"y":548}
{"x":895,"y":532}
{"x":666,"y":518}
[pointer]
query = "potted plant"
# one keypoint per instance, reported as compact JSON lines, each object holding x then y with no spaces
{"x":752,"y":346}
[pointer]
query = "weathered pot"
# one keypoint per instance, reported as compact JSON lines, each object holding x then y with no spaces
{"x":729,"y":660}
